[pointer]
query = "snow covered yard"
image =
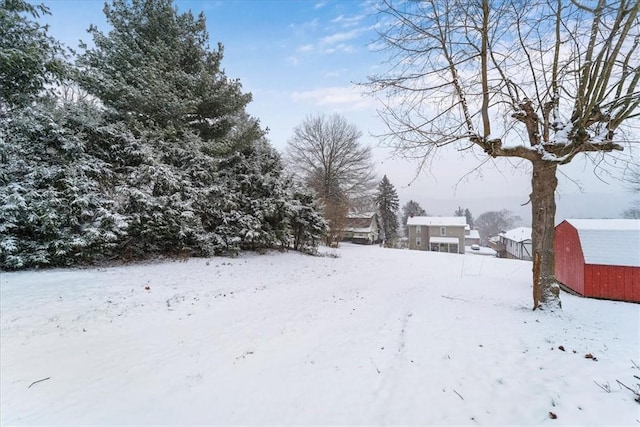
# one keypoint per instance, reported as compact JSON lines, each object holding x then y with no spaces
{"x":376,"y":336}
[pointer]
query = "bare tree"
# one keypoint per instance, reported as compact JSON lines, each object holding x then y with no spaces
{"x":538,"y":80}
{"x":492,"y":223}
{"x":633,"y":185}
{"x":325,"y":153}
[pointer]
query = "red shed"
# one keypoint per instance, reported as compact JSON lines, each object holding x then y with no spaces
{"x":599,"y":258}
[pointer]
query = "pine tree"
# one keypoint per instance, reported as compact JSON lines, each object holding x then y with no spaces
{"x":30,"y":58}
{"x":155,"y":67}
{"x":154,"y":72}
{"x":467,"y":214}
{"x":54,"y":190}
{"x":308,"y":227}
{"x":410,"y":209}
{"x":386,"y":200}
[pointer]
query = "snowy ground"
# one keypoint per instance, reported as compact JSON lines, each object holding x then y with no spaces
{"x":483,"y":250}
{"x":376,"y":336}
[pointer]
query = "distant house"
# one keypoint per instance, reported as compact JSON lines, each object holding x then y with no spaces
{"x":471,"y":237}
{"x":599,"y":258}
{"x":438,"y":234}
{"x":515,"y":244}
{"x":362,"y":228}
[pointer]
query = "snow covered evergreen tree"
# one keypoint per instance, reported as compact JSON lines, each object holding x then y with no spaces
{"x":386,"y":200}
{"x":208,"y":179}
{"x":55,"y":200}
{"x":29,"y":58}
{"x":155,"y":68}
{"x":308,"y":227}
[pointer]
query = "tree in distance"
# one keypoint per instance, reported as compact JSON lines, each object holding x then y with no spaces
{"x":633,"y":185}
{"x":493,"y":223}
{"x":410,"y":209}
{"x":325,"y":153}
{"x":537,"y":80}
{"x":465,"y":213}
{"x":386,"y":199}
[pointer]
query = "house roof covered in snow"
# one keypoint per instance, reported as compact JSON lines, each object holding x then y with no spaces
{"x":473,"y":234}
{"x":441,"y":221}
{"x":609,"y":241}
{"x":520,"y":234}
{"x":359,"y":224}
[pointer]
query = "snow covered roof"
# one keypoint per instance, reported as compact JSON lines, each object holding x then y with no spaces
{"x":359,"y":224}
{"x":368,"y":215}
{"x":442,"y":221}
{"x":609,"y":241}
{"x":473,"y":234}
{"x":519,"y":234}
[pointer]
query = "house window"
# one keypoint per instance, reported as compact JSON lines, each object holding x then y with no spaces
{"x":418,"y":229}
{"x":443,"y":231}
{"x":418,"y":241}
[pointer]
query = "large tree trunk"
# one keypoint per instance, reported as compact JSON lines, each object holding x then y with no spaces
{"x":546,"y":291}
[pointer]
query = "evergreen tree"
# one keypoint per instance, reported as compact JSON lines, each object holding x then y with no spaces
{"x":29,"y":58}
{"x":154,"y":71}
{"x":386,"y":200}
{"x":308,"y":227}
{"x":467,"y":214}
{"x":55,"y":191}
{"x":155,"y":67}
{"x":410,"y":209}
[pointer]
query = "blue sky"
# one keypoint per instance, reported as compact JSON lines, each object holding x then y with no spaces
{"x":301,"y":57}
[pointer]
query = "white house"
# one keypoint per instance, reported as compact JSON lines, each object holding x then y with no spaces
{"x":516,"y":244}
{"x":362,"y":228}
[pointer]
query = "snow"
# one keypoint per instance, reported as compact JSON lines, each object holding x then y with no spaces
{"x":473,"y":234}
{"x":482,"y":251}
{"x":609,"y":241}
{"x":370,"y":335}
{"x":437,"y":220}
{"x":518,"y":235}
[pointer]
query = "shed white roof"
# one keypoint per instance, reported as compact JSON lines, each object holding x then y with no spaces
{"x":442,"y":221}
{"x":519,"y":234}
{"x":609,"y":241}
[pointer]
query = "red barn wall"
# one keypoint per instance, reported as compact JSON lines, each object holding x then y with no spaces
{"x":612,"y":282}
{"x":570,"y":268}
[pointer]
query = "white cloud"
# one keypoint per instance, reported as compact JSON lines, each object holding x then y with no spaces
{"x":340,"y":37}
{"x":306,"y":48}
{"x":292,"y":60}
{"x":320,"y":4}
{"x":347,"y":98}
{"x":335,"y":73}
{"x":348,"y":21}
